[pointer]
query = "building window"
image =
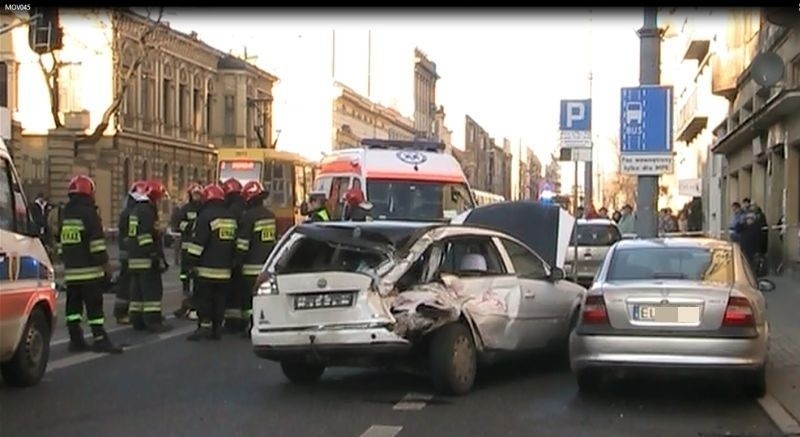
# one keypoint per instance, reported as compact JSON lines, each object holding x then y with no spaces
{"x":250,"y":126}
{"x":69,"y":97}
{"x":126,"y":174}
{"x":4,"y":84}
{"x":183,"y":108}
{"x":195,"y":174}
{"x":145,"y":170}
{"x":197,"y":99}
{"x":168,"y":107}
{"x":181,"y":178}
{"x":148,"y":101}
{"x":230,"y":116}
{"x":166,"y":177}
{"x":209,"y":112}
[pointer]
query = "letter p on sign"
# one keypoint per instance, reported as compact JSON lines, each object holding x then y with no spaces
{"x":576,"y":115}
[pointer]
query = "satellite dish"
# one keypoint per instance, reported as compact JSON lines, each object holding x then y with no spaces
{"x":767,"y":69}
{"x":784,"y":17}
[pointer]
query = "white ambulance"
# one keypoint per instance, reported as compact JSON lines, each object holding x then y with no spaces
{"x":403,"y":180}
{"x":27,"y":288}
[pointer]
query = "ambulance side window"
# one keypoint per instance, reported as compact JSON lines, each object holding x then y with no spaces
{"x":338,"y":188}
{"x":6,"y":198}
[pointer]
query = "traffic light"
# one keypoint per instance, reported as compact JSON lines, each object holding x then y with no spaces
{"x":44,"y":31}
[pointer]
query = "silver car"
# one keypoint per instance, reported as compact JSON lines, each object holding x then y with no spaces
{"x":683,"y":303}
{"x":439,"y":297}
{"x":594,"y":238}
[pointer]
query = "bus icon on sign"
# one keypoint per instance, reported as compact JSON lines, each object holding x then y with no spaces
{"x":633,"y":113}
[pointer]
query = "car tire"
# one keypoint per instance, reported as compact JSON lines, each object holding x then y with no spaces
{"x":453,"y":360}
{"x":29,"y":362}
{"x":589,"y":381}
{"x":302,"y":373}
{"x":756,"y":383}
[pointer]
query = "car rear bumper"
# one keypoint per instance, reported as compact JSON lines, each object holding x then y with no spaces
{"x":323,"y":344}
{"x":614,"y":351}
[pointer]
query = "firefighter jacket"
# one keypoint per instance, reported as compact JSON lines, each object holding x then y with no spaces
{"x":320,"y":215}
{"x":122,"y":228}
{"x":187,"y":214}
{"x":82,"y":244}
{"x":213,"y":245}
{"x":236,"y":203}
{"x":143,"y":242}
{"x":256,"y":238}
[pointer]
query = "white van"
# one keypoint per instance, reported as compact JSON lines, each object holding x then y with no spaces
{"x":403,"y":180}
{"x":27,"y":288}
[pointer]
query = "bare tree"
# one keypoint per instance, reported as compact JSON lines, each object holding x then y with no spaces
{"x":552,"y":172}
{"x":146,"y":41}
{"x":619,"y":187}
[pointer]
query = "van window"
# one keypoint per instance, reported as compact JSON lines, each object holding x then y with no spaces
{"x":6,"y":198}
{"x":21,"y":212}
{"x":417,"y":200}
{"x":339,"y":187}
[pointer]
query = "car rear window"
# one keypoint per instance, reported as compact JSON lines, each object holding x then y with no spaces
{"x":682,"y":263}
{"x":594,"y":235}
{"x":309,"y":255}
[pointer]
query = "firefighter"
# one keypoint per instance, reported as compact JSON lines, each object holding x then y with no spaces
{"x":211,"y":254}
{"x":256,"y":238}
{"x":234,"y":319}
{"x":146,"y":261}
{"x":187,"y":214}
{"x":82,"y":246}
{"x":317,"y":209}
{"x":356,"y":208}
{"x":122,"y":301}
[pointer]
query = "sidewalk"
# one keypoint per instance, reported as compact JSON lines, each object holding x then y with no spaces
{"x":783,"y":371}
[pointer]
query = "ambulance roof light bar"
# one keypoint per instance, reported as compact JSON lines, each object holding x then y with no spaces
{"x":421,"y":145}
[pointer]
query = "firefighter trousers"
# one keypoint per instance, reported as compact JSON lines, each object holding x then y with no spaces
{"x":248,"y":282}
{"x":146,"y":290}
{"x":234,"y":320}
{"x":89,"y":295}
{"x":123,"y":297}
{"x":209,"y":299}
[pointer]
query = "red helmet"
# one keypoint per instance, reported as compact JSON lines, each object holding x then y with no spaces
{"x":81,"y":184}
{"x":156,"y":190}
{"x":354,"y":196}
{"x":138,"y":187}
{"x":193,"y":188}
{"x":231,"y":185}
{"x":252,"y":190}
{"x":213,"y":192}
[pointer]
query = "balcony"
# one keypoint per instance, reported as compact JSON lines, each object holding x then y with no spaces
{"x":691,"y":119}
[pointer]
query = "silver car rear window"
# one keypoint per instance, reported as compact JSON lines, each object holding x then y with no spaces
{"x":596,"y":235}
{"x":681,"y":263}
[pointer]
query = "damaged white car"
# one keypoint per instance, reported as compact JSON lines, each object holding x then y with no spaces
{"x":437,"y":297}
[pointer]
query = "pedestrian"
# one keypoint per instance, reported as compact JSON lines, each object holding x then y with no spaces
{"x":683,"y":221}
{"x":736,"y":217}
{"x":256,"y":238}
{"x":86,"y":268}
{"x":749,"y":235}
{"x":627,"y":221}
{"x":211,"y":254}
{"x":603,"y":212}
{"x":317,"y":210}
{"x":146,"y":260}
{"x":186,"y":216}
{"x":616,"y":216}
{"x":234,"y":319}
{"x":123,"y":296}
{"x":356,"y":208}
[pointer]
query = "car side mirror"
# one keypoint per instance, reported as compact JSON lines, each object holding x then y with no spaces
{"x":557,"y":274}
{"x":766,"y":285}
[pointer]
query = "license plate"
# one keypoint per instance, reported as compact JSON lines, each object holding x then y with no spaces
{"x":323,"y":300}
{"x":666,"y":314}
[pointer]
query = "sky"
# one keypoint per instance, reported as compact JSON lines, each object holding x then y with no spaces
{"x":508,"y":72}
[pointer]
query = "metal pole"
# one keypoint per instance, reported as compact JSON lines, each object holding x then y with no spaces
{"x":575,"y":228}
{"x":588,"y":174}
{"x":649,"y":74}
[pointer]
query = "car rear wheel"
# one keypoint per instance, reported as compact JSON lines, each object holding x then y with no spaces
{"x":756,"y":383}
{"x":453,"y":360}
{"x":299,"y":372}
{"x":29,"y":362}
{"x":589,"y":381}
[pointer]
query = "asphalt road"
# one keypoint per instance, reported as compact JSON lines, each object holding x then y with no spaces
{"x":164,"y":385}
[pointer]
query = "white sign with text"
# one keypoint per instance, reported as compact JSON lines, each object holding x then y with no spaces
{"x":646,"y":164}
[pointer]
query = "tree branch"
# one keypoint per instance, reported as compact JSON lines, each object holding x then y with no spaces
{"x":51,"y":80}
{"x":125,"y":82}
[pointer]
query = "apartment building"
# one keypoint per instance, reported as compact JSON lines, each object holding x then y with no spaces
{"x":355,"y":117}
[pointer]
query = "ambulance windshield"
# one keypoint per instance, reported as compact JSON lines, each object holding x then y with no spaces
{"x":417,"y":200}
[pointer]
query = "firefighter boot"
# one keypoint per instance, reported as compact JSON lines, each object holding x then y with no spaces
{"x":155,"y":323}
{"x":203,"y":332}
{"x":102,"y":344}
{"x":76,"y":341}
{"x":216,"y":331}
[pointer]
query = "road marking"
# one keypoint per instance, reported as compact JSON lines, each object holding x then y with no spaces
{"x":783,"y":420}
{"x":91,"y":356}
{"x":412,"y":401}
{"x":382,"y":431}
{"x":108,"y":331}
